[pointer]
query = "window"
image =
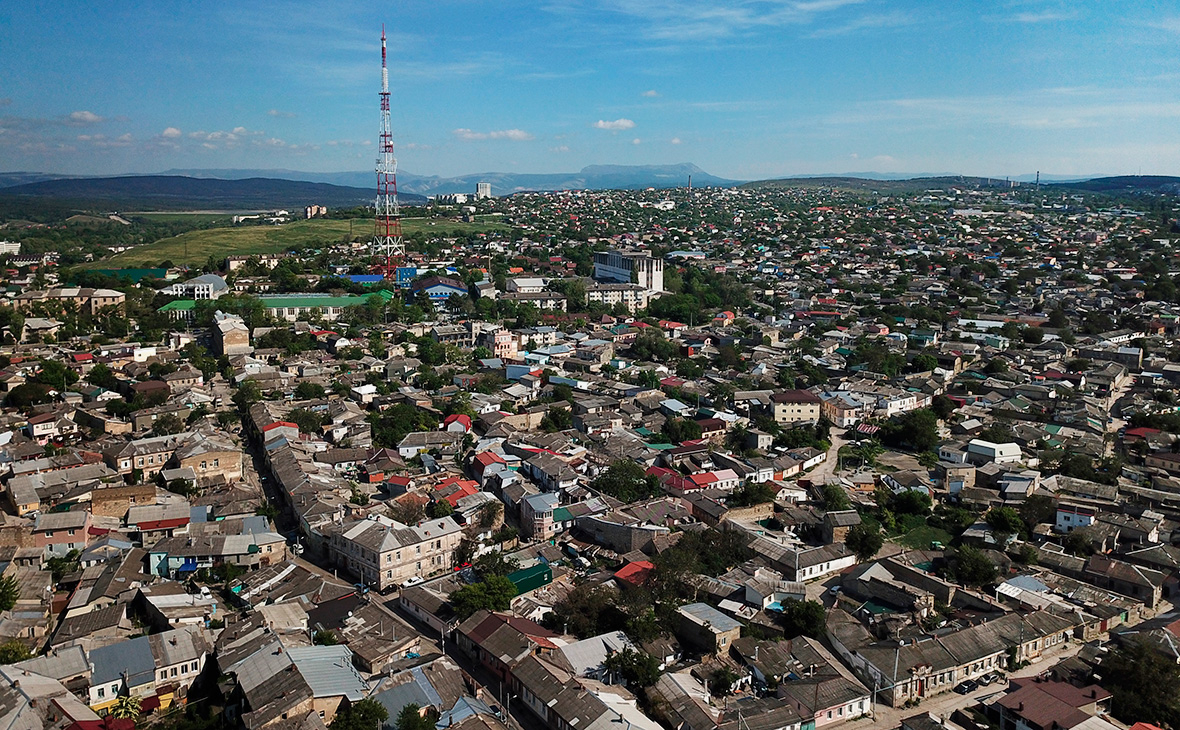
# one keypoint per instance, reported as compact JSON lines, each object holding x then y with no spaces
{"x":101,"y":692}
{"x":173,"y":671}
{"x":164,"y":674}
{"x":71,"y":532}
{"x":139,"y":461}
{"x":203,"y":466}
{"x":216,"y":463}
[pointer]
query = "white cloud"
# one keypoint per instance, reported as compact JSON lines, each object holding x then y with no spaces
{"x":1044,"y":16}
{"x":515,"y":135}
{"x":636,"y":141}
{"x":170,"y":133}
{"x":895,"y":19}
{"x":688,"y":20}
{"x":561,"y":148}
{"x":616,"y":125}
{"x":85,"y":117}
{"x":675,"y":140}
{"x":651,"y":93}
{"x":281,"y":114}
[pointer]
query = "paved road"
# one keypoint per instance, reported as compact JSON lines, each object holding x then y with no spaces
{"x":828,"y":468}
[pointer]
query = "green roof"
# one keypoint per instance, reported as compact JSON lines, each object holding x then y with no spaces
{"x":295,"y":302}
{"x":180,"y":305}
{"x":314,"y":301}
{"x":660,"y":447}
{"x":132,"y":275}
{"x":561,"y":514}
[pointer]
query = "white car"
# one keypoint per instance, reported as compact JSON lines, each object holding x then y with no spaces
{"x":413,"y":581}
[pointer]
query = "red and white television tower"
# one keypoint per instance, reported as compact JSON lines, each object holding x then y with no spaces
{"x":387,"y":237}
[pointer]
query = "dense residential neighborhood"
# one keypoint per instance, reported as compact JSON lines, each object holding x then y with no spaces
{"x":753,"y":458}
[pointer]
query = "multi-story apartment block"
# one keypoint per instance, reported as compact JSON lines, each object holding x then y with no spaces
{"x":627,"y":267}
{"x":384,"y":553}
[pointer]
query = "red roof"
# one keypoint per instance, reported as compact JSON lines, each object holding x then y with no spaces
{"x":635,"y":573}
{"x":460,"y":418}
{"x":484,"y":459}
{"x":162,"y":524}
{"x":82,"y":357}
{"x":278,"y":424}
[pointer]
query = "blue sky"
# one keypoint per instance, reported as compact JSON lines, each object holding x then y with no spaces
{"x":746,"y":89}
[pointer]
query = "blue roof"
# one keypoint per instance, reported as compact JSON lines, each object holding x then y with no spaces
{"x":329,"y":672}
{"x":365,"y":278}
{"x":705,"y":613}
{"x":133,"y":657}
{"x":1028,"y":583}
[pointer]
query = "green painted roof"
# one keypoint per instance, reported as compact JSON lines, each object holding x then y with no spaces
{"x":561,"y":514}
{"x":660,"y":447}
{"x":309,"y":301}
{"x":133,"y":275}
{"x":180,"y":305}
{"x":293,"y":302}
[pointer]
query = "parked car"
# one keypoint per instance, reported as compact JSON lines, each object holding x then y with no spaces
{"x":413,"y":581}
{"x":966,"y":688}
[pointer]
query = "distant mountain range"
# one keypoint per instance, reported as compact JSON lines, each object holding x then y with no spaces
{"x":593,"y":177}
{"x":254,"y":189}
{"x":176,"y":192}
{"x":1125,"y":183}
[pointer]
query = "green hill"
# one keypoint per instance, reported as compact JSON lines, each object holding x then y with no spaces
{"x":195,"y":247}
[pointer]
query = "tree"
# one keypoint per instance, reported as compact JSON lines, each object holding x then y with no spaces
{"x":307,"y":421}
{"x":721,"y":681}
{"x":13,"y":651}
{"x":59,"y":567}
{"x":439,"y":509}
{"x":557,"y":419}
{"x":464,"y":553}
{"x":9,"y":592}
{"x":1078,"y":543}
{"x":1037,"y":509}
{"x":942,"y":406}
{"x":806,"y":618}
{"x":973,"y":568}
{"x":835,"y":498}
{"x":248,"y":394}
{"x":1146,"y":687}
{"x":917,"y":429}
{"x":751,"y":494}
{"x":325,"y":637}
{"x":369,"y":714}
{"x":637,"y":668}
{"x":865,"y":541}
{"x":626,"y":481}
{"x":127,"y":707}
{"x":167,"y":424}
{"x":679,"y":430}
{"x":307,"y":390}
{"x":102,"y":376}
{"x":492,"y":594}
{"x":495,"y":563}
{"x":587,"y":610}
{"x":411,"y":717}
{"x":924,"y":363}
{"x":1005,"y":520}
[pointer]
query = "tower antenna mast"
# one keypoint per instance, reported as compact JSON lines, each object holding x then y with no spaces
{"x":387,"y":236}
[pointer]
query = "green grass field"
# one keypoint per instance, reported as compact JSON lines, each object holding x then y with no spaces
{"x":194,"y":217}
{"x":920,"y":537}
{"x":195,"y":247}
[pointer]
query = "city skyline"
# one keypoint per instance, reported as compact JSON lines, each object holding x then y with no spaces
{"x":746,"y":90}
